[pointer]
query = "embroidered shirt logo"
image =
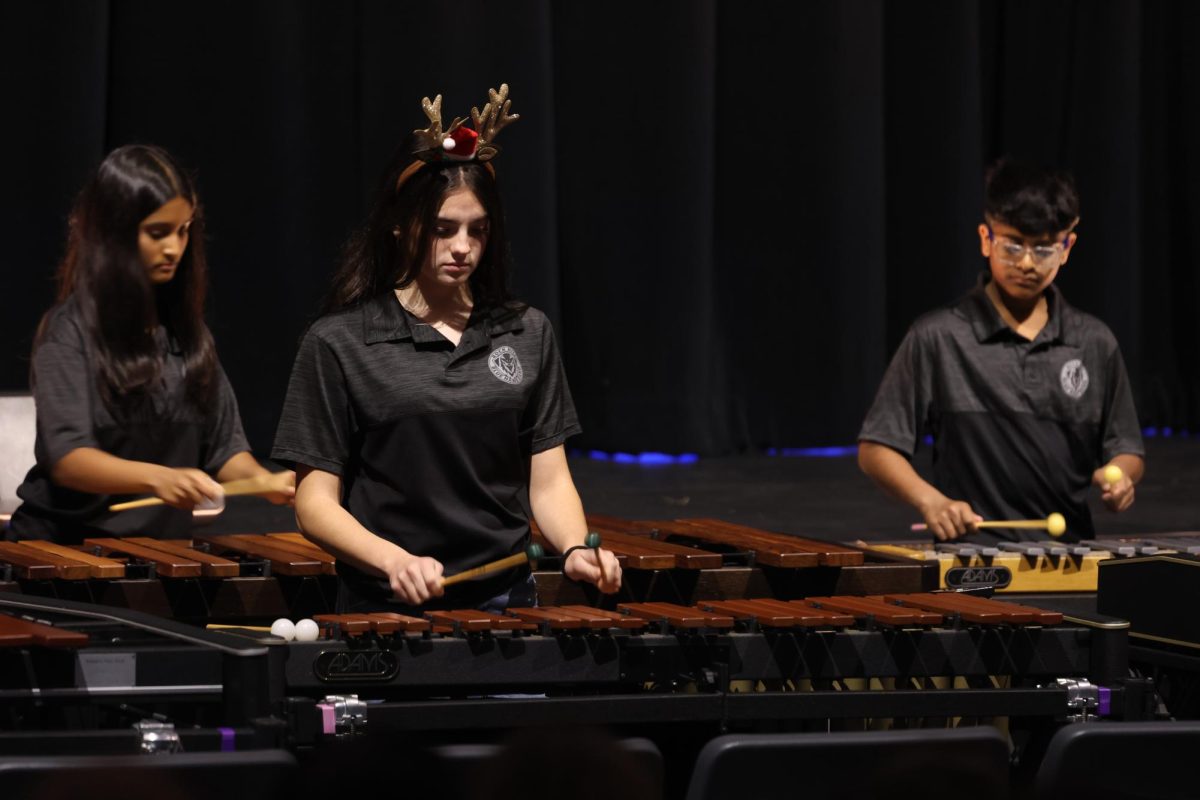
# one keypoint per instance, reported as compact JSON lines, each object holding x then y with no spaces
{"x":505,"y":365}
{"x":1074,"y":378}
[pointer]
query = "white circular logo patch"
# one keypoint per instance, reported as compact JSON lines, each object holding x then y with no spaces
{"x":505,"y":365}
{"x":1074,"y":378}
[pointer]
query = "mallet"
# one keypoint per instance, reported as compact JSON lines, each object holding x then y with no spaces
{"x":1055,"y":524}
{"x":262,"y":484}
{"x":530,"y":554}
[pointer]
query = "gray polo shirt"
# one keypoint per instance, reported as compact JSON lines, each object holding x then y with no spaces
{"x":165,"y":428}
{"x":1018,"y":427}
{"x":432,"y":441}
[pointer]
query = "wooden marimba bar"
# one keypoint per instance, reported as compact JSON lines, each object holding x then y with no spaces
{"x":684,"y":561}
{"x":243,"y":578}
{"x":751,"y":615}
{"x":20,"y":632}
{"x":254,"y":577}
{"x":908,"y":641}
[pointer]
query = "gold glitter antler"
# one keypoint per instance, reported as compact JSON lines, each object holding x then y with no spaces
{"x":431,"y":138}
{"x":490,"y":122}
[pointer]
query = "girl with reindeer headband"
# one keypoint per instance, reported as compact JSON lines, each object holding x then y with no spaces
{"x":428,"y":408}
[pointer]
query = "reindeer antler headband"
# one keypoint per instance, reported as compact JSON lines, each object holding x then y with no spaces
{"x":458,"y":143}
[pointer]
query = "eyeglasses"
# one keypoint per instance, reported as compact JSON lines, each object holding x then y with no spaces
{"x":1011,"y":252}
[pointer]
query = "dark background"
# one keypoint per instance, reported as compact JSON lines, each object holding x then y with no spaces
{"x":732,"y":210}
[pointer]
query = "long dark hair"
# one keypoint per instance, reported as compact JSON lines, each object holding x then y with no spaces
{"x":375,"y":260}
{"x":120,"y":307}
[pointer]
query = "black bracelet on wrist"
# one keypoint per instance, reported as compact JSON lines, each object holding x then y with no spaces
{"x":566,"y":554}
{"x":572,"y":549}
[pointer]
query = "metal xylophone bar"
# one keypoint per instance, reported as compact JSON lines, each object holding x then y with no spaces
{"x":1030,"y":567}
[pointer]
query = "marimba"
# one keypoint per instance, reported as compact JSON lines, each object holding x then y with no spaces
{"x":891,"y":655}
{"x":710,"y":666}
{"x":99,"y":667}
{"x":255,"y":578}
{"x":683,"y":561}
{"x":211,"y":578}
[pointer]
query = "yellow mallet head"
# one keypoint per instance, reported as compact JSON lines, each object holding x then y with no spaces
{"x":1112,"y":474}
{"x":1056,"y":524}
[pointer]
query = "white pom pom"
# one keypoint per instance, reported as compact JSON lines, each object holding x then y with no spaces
{"x":307,"y":631}
{"x":448,"y":143}
{"x":284,"y":629}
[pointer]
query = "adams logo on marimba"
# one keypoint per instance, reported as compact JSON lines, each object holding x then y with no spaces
{"x":975,"y":577}
{"x":356,"y":665}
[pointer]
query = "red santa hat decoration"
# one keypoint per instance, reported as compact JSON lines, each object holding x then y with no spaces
{"x":457,"y":142}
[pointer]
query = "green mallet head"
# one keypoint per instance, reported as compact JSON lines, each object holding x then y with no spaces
{"x":534,"y":552}
{"x":592,"y":540}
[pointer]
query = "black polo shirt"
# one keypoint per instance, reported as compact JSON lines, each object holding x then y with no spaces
{"x":166,"y":429}
{"x":432,"y":441}
{"x":1018,"y":426}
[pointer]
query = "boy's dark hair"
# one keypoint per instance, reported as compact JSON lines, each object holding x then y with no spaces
{"x":1036,"y":200}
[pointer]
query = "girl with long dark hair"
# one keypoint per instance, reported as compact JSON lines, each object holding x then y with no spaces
{"x":130,"y":396}
{"x":427,"y":409}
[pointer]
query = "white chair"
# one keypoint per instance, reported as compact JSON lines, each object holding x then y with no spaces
{"x":18,"y":425}
{"x":18,"y":428}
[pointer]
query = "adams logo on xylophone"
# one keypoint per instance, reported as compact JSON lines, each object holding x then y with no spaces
{"x":971,"y":577}
{"x":363,"y":665}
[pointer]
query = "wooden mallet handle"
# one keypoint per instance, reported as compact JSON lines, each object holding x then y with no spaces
{"x":1054,"y":524}
{"x":530,"y":554}
{"x":257,"y":485}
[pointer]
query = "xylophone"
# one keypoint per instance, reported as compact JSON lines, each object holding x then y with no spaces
{"x":1019,"y":567}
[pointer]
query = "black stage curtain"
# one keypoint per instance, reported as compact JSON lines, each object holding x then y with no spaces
{"x":732,"y":210}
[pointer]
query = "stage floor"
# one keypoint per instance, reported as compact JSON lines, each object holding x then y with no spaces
{"x":827,"y":498}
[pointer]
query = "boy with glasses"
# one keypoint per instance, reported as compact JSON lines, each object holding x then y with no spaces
{"x":1027,"y":398}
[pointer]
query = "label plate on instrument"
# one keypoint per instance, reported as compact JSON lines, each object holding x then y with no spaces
{"x":336,"y":666}
{"x":102,"y":670}
{"x":975,"y":577}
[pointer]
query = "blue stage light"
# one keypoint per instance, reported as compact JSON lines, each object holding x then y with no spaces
{"x":814,"y":452}
{"x":645,"y":459}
